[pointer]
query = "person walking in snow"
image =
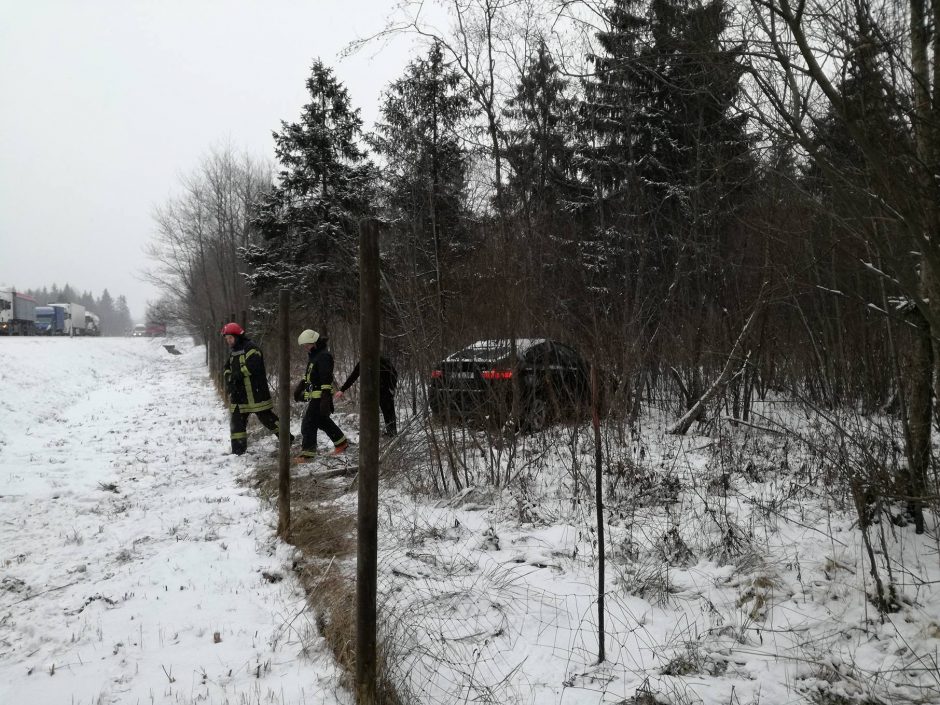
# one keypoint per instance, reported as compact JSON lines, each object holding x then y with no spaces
{"x":316,"y":388}
{"x":246,"y":384}
{"x":388,"y":380}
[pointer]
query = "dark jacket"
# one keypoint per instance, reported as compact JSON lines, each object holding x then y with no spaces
{"x":245,"y":379}
{"x":318,"y":379}
{"x":388,"y":377}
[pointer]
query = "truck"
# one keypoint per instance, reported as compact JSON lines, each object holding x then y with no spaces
{"x":74,"y":318}
{"x":17,"y":313}
{"x":149,"y":330}
{"x":92,"y":323}
{"x":50,"y":320}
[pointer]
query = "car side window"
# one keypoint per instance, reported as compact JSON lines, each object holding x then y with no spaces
{"x":536,"y":355}
{"x":568,"y":358}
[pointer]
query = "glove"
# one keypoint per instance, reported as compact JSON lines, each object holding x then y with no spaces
{"x":325,"y":405}
{"x":299,"y":391}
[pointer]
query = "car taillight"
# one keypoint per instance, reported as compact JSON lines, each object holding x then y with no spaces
{"x":496,"y":374}
{"x":436,"y":374}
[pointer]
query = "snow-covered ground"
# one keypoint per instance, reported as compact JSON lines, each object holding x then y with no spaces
{"x":134,"y":568}
{"x":736,"y":573}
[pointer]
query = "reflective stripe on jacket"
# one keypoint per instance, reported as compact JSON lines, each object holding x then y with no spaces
{"x":319,"y":375}
{"x":246,"y":380}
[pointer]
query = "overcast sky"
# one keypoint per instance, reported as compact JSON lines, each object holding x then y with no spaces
{"x":106,"y":103}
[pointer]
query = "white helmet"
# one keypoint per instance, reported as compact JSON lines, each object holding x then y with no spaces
{"x":308,"y":336}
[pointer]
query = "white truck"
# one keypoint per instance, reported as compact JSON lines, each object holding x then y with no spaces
{"x":92,"y":323}
{"x":74,"y":318}
{"x":17,"y":313}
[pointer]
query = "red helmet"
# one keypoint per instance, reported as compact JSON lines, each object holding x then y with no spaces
{"x":232,"y":329}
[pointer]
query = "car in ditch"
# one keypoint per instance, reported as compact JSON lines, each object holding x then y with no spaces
{"x":551,"y":378}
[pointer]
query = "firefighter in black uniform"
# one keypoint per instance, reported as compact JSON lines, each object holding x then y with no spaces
{"x":247,"y":386}
{"x":316,"y":388}
{"x":388,"y":380}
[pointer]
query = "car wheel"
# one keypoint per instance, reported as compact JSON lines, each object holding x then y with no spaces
{"x":536,"y":415}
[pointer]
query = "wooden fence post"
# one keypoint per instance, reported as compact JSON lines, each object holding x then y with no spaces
{"x":599,"y":501}
{"x":283,"y":408}
{"x":367,"y":558}
{"x":221,"y":352}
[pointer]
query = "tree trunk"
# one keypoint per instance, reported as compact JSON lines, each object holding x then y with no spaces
{"x":922,"y":364}
{"x":919,"y":411}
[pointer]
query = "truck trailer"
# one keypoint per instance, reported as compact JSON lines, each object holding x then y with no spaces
{"x":74,"y":318}
{"x":17,"y":313}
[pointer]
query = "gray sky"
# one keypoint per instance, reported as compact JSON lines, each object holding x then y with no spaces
{"x":106,"y":103}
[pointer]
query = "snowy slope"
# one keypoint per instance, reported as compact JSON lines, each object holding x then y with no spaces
{"x":135,"y":567}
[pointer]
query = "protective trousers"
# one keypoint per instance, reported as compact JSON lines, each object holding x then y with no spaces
{"x":387,"y":405}
{"x":239,"y":425}
{"x":314,"y":421}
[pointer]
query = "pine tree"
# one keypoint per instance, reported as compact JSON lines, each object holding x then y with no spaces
{"x":614,"y":134}
{"x":539,"y":150}
{"x":122,"y":314}
{"x":425,"y":169}
{"x":668,"y":157}
{"x":87,"y":300}
{"x":105,"y":310}
{"x":612,"y":121}
{"x":699,"y":161}
{"x":325,"y":186}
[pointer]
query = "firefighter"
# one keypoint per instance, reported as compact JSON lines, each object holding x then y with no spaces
{"x":316,"y":388}
{"x":388,"y":380}
{"x":246,"y":384}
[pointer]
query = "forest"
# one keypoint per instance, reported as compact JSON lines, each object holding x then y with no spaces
{"x":719,"y":205}
{"x":710,"y":173}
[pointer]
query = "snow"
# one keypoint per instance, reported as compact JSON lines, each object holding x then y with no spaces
{"x":751,"y":588}
{"x":496,"y":347}
{"x":135,"y":566}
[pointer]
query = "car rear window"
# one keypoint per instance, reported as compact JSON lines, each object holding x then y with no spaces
{"x":484,"y":351}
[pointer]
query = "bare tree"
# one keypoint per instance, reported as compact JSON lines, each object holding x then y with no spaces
{"x":200,"y":235}
{"x":808,"y":53}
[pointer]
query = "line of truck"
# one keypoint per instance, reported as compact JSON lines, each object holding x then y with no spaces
{"x":20,"y":314}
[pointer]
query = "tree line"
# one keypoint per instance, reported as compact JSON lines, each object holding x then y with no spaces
{"x":679,"y":187}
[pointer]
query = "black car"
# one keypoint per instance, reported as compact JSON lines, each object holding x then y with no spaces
{"x":477,"y":383}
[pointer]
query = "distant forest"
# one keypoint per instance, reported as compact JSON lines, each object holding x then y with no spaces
{"x":113,"y":311}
